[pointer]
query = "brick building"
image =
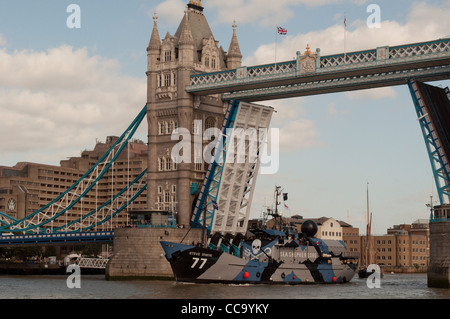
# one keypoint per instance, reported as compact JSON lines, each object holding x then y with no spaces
{"x":27,"y":187}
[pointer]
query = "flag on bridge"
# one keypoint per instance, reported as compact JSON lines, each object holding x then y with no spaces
{"x":281,"y":30}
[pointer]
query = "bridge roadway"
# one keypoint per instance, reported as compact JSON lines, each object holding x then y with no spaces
{"x":311,"y":74}
{"x":56,"y":238}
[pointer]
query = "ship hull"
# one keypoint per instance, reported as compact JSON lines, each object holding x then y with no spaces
{"x":278,"y":265}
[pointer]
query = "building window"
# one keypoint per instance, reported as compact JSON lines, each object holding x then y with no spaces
{"x":210,"y":123}
{"x":175,"y":161}
{"x":168,"y":56}
{"x":213,"y":63}
{"x":172,"y":127}
{"x":162,"y":164}
{"x":197,"y":127}
{"x":167,"y":79}
{"x":198,"y":160}
{"x":168,"y":164}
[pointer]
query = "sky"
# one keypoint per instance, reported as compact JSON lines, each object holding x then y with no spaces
{"x":63,"y":88}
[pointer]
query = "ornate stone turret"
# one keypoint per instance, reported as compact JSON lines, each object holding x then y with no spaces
{"x":234,"y":56}
{"x":172,"y":61}
{"x":155,"y":41}
{"x":154,"y":47}
{"x":186,"y":43}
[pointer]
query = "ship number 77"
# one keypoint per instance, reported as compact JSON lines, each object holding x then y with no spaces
{"x":196,"y":260}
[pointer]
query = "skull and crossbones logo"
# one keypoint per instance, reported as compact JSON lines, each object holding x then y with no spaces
{"x":257,"y":249}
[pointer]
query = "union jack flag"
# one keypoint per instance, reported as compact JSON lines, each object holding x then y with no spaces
{"x":281,"y":31}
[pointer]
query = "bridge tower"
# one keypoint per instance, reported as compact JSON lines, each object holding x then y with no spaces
{"x":171,"y":61}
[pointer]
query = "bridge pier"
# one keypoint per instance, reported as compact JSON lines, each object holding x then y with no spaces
{"x":138,"y":254}
{"x":439,"y":267}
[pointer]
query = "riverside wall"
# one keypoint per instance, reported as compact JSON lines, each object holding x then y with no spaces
{"x":138,"y":255}
{"x":439,"y":268}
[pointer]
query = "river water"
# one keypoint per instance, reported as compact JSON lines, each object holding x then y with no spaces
{"x":393,"y":286}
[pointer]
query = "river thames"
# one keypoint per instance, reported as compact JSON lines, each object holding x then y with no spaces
{"x":393,"y":286}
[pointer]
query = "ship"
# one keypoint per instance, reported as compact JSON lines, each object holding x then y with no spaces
{"x":266,"y":256}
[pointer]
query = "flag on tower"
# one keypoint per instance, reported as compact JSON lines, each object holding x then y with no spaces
{"x":281,"y":31}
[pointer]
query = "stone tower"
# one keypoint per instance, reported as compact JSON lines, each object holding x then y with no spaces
{"x":171,"y":61}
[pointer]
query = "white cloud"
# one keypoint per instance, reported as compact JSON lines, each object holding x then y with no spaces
{"x":2,"y":40}
{"x":285,"y":110}
{"x":170,"y":10}
{"x":296,"y":132}
{"x":425,"y":22}
{"x":375,"y":94}
{"x":299,"y":134}
{"x":263,"y":12}
{"x":332,"y":110}
{"x":62,"y":99}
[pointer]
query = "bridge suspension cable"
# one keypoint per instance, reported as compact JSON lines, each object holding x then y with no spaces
{"x":75,"y":193}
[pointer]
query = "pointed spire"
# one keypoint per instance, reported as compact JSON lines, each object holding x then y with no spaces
{"x":234,"y":56}
{"x":186,"y":34}
{"x":234,"y":50}
{"x":155,"y":41}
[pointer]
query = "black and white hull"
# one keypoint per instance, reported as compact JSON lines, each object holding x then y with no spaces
{"x":263,"y":262}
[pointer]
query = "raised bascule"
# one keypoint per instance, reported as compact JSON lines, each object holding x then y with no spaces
{"x":193,"y":83}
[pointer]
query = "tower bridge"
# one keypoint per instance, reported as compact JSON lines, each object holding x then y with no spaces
{"x":191,"y":79}
{"x":312,"y":74}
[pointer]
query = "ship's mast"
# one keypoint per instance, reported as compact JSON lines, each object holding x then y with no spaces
{"x":368,"y":230}
{"x":277,"y":193}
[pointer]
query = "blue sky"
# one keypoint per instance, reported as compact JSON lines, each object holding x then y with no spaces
{"x":61,"y":89}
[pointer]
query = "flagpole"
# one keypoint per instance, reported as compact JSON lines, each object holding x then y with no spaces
{"x":276,"y":45}
{"x":345,"y":36}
